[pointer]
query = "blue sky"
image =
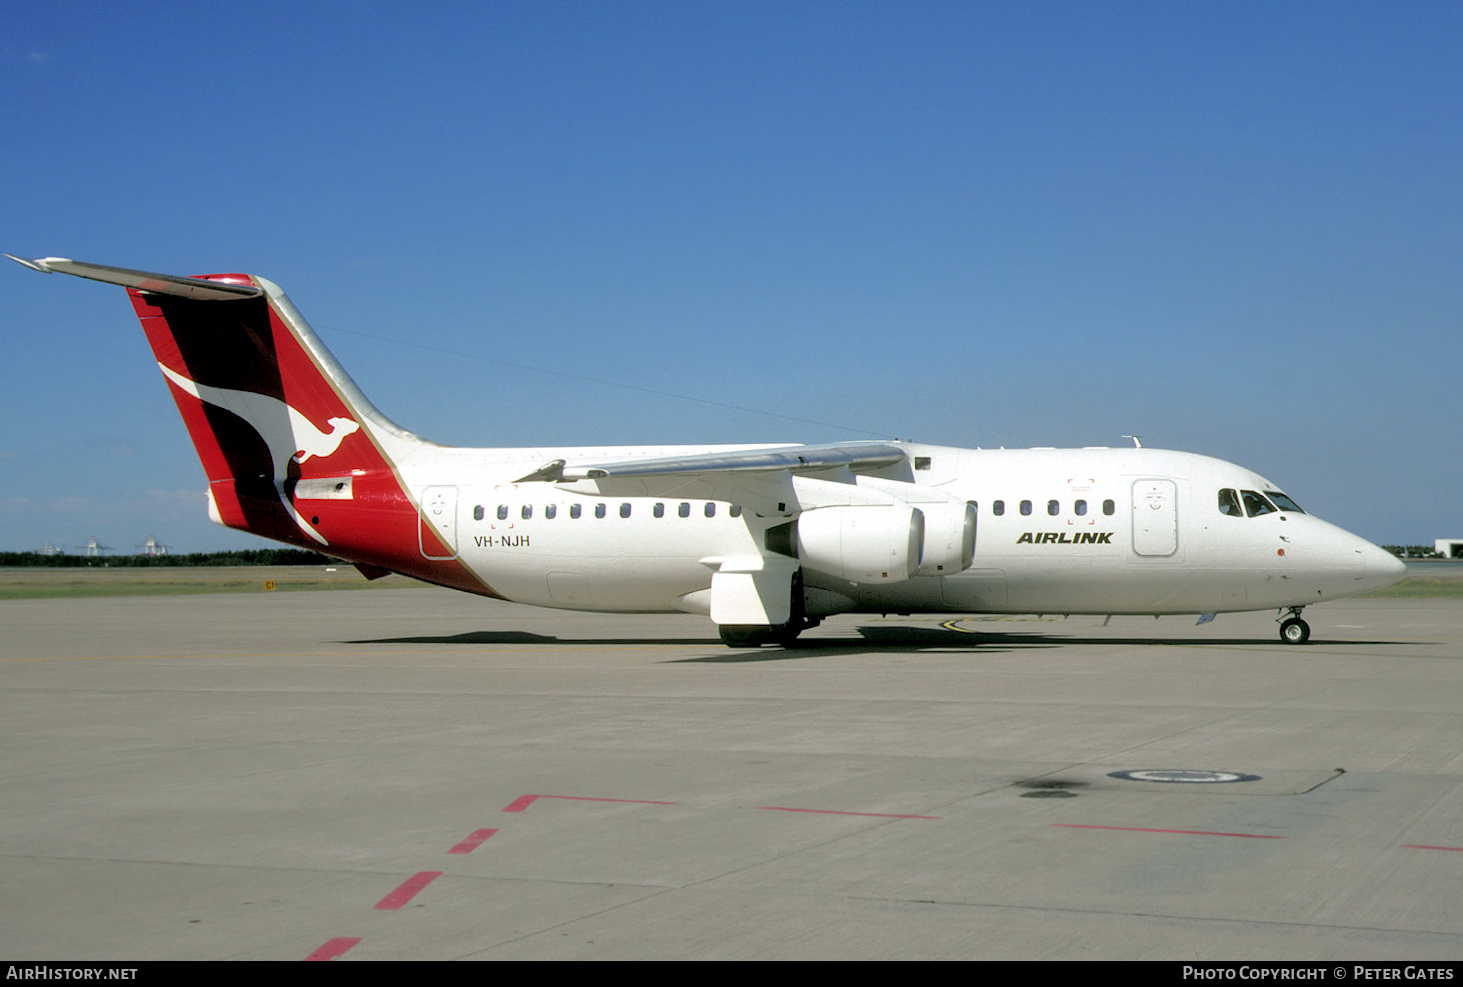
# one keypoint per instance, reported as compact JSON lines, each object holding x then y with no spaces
{"x":1232,"y":228}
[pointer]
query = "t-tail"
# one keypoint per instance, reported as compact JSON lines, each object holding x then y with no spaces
{"x":292,"y":449}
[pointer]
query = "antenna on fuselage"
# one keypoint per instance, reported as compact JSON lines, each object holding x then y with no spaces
{"x":1137,"y":440}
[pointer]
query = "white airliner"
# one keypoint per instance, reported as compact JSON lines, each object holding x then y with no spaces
{"x":766,"y":540}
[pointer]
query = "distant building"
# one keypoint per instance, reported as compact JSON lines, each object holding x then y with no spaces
{"x":1449,"y":548}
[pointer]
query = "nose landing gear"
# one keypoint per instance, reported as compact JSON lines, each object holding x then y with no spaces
{"x":1294,"y":630}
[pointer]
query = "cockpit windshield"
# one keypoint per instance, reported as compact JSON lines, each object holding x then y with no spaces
{"x":1255,"y":504}
{"x":1283,"y":502}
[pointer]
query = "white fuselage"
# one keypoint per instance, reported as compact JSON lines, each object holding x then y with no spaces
{"x":1059,"y":531}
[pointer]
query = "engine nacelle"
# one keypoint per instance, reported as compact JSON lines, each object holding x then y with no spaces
{"x":949,"y":539}
{"x":863,"y":544}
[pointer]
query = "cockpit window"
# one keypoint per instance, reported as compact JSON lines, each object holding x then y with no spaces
{"x":1283,"y":502}
{"x":1255,"y":505}
{"x":1229,"y":504}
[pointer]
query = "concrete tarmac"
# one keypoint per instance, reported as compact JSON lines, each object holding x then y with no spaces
{"x":418,"y":774}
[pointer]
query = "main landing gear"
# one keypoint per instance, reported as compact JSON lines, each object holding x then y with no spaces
{"x":756,"y":635}
{"x":1294,"y":630}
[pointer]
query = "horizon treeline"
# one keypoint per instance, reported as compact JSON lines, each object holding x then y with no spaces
{"x":248,"y":556}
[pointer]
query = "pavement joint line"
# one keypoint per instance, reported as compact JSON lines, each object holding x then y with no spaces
{"x":1178,"y":832}
{"x":522,"y":802}
{"x":841,"y":812}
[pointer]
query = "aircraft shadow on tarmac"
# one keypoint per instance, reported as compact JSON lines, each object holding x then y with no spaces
{"x":524,"y":637}
{"x":878,"y":637}
{"x":929,"y":639}
{"x":892,"y":638}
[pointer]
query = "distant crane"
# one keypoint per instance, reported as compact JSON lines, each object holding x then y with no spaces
{"x":152,"y":547}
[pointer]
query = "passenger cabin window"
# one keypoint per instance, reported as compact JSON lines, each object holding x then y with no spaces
{"x":1229,"y":504}
{"x":527,"y":511}
{"x":1255,"y":505}
{"x":1283,"y":502}
{"x":1108,"y":507}
{"x":1080,"y":508}
{"x":502,"y":512}
{"x":625,"y":510}
{"x":599,"y":510}
{"x":575,"y":510}
{"x":477,"y":513}
{"x":736,"y":510}
{"x":1052,"y":507}
{"x":551,"y":511}
{"x":998,"y":507}
{"x":658,"y":510}
{"x":710,"y":509}
{"x":684,"y":510}
{"x":1026,"y":507}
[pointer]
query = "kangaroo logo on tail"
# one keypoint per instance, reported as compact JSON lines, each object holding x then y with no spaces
{"x":321,"y":444}
{"x":290,"y":436}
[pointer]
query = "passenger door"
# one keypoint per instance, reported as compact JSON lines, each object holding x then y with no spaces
{"x":1155,"y":518}
{"x":439,"y":517}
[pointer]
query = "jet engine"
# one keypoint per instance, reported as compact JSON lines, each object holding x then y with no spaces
{"x":861,"y":543}
{"x":949,"y":545}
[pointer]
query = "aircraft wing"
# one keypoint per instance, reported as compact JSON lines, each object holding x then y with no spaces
{"x":858,"y":457}
{"x":760,"y":479}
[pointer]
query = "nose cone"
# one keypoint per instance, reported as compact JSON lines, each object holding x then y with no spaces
{"x":1380,"y":567}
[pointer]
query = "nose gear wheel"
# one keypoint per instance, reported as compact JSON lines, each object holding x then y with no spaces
{"x":1293,"y":630}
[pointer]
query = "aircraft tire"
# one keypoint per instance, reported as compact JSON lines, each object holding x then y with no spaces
{"x":756,"y":635}
{"x":787,"y":634}
{"x":1295,"y":631}
{"x":746,"y":635}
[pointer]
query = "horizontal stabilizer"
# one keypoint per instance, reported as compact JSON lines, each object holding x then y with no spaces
{"x":162,"y":284}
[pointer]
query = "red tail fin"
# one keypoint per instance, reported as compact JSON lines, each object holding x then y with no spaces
{"x":292,"y":449}
{"x":261,"y":409}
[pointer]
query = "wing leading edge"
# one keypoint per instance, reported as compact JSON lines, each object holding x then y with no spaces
{"x":771,"y":480}
{"x":857,"y":457}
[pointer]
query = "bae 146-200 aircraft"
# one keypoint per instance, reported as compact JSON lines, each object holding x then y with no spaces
{"x":766,"y":540}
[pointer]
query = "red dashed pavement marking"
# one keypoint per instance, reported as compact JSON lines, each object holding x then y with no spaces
{"x":332,"y":949}
{"x":407,"y":891}
{"x":1182,"y":832}
{"x":335,"y":948}
{"x":474,"y":841}
{"x":524,"y":801}
{"x":835,"y":812}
